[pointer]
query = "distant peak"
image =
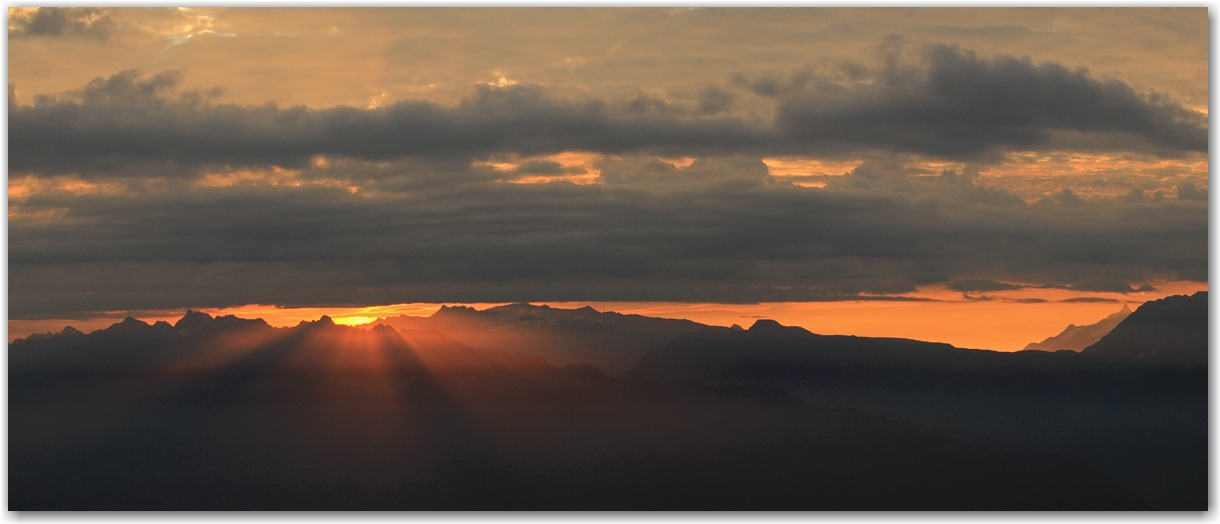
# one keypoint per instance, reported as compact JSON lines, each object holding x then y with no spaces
{"x":192,"y":319}
{"x":588,"y":309}
{"x":325,"y":320}
{"x":128,"y":325}
{"x":736,"y":327}
{"x":765,"y":324}
{"x":69,"y":330}
{"x":383,"y":327}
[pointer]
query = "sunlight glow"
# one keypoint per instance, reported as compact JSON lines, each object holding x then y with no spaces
{"x":1033,"y":174}
{"x":354,"y":320}
{"x":999,"y":320}
{"x":804,"y":166}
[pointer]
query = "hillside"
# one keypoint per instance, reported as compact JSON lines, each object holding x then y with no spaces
{"x":1171,"y":331}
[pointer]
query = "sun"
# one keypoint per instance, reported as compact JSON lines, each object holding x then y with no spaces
{"x":354,"y":321}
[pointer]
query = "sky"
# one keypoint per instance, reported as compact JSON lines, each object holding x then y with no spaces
{"x":978,"y":176}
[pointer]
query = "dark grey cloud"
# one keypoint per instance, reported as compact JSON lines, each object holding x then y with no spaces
{"x":1188,"y":191}
{"x":957,"y":104}
{"x":125,"y":120}
{"x":981,"y":285}
{"x":714,"y":100}
{"x":81,"y":22}
{"x":1089,"y":299}
{"x":719,"y":230}
{"x":1103,"y":284}
{"x":953,"y":104}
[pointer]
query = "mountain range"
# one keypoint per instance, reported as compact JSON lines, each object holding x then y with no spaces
{"x":611,"y":341}
{"x":511,"y":408}
{"x":1134,"y":403}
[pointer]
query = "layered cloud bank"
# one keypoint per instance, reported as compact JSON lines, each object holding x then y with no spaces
{"x":953,"y":104}
{"x":719,"y":230}
{"x":133,"y":194}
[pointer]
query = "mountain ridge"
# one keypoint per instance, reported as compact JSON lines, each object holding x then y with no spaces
{"x":227,"y":413}
{"x":1169,"y":331}
{"x":611,"y":341}
{"x":1076,"y":338}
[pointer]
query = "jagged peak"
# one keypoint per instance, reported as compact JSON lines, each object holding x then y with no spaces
{"x":321,"y":322}
{"x":383,"y":327}
{"x":127,"y":325}
{"x":192,"y":319}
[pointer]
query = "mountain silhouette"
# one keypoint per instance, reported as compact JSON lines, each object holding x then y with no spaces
{"x":233,"y":414}
{"x":1169,"y":331}
{"x":1076,"y":338}
{"x":1145,"y":419}
{"x":613,"y":342}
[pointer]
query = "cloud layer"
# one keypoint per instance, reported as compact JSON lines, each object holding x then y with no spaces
{"x":720,"y":230}
{"x":132,"y":193}
{"x":951,"y":104}
{"x":61,"y":22}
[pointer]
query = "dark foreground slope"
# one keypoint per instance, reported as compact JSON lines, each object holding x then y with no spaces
{"x":244,"y":416}
{"x":613,"y":342}
{"x":1168,"y":332}
{"x":1142,"y":420}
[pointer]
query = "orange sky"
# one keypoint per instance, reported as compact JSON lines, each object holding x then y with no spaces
{"x":1000,"y":323}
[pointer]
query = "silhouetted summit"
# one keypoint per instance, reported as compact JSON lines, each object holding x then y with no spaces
{"x":66,"y":332}
{"x":766,"y":324}
{"x":1169,"y":331}
{"x":128,"y":325}
{"x":1076,"y":338}
{"x":192,"y":320}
